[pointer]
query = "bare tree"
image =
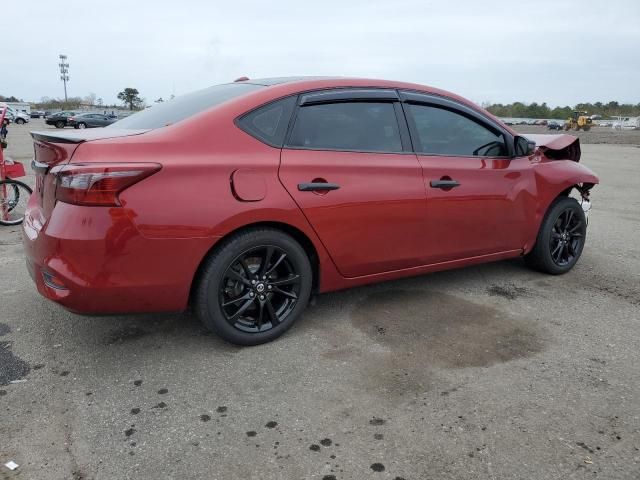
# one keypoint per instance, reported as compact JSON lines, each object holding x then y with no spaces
{"x":91,"y":99}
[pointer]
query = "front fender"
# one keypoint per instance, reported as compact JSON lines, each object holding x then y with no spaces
{"x":555,"y":178}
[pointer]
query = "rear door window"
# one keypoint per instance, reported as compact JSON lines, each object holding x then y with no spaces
{"x":347,"y":126}
{"x":441,"y":131}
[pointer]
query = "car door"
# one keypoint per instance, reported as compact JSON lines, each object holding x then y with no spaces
{"x":348,"y":165}
{"x":96,"y":120}
{"x":479,"y":197}
{"x":101,"y":120}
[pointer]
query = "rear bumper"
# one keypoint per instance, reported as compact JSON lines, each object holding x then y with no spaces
{"x":93,"y":260}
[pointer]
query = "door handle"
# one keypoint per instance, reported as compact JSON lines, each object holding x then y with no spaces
{"x":317,"y":186}
{"x":444,"y":184}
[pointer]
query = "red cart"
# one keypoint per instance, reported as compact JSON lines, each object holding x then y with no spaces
{"x":14,"y":195}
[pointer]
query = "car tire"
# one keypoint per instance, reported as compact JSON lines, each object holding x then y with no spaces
{"x":561,"y":238}
{"x":247,"y":300}
{"x":20,"y":121}
{"x":81,"y":125}
{"x":60,"y":124}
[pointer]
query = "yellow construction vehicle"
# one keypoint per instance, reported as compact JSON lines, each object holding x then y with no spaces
{"x":578,"y":120}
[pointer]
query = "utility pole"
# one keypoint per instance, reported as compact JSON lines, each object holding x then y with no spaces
{"x":64,"y":73}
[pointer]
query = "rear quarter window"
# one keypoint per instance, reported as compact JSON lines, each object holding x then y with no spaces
{"x":269,"y":123}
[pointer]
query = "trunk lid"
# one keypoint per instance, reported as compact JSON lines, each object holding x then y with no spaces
{"x":53,"y":148}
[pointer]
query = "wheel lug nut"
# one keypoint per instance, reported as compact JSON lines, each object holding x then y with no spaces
{"x":261,"y":297}
{"x":251,"y":294}
{"x":269,"y":287}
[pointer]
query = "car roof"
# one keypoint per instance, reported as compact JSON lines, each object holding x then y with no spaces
{"x":267,"y":82}
{"x":307,"y":83}
{"x":281,"y":86}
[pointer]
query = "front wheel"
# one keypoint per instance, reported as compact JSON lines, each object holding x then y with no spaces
{"x":14,"y":196}
{"x":561,"y":238}
{"x":60,"y":124}
{"x":254,"y":287}
{"x":82,"y":125}
{"x":20,"y":121}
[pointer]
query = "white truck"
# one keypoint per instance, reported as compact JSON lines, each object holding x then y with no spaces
{"x":626,"y":123}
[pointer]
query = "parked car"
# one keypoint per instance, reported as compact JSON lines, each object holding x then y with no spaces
{"x":246,"y":198}
{"x":37,"y":114}
{"x":554,"y":126}
{"x":14,"y":116}
{"x":59,"y":119}
{"x":90,"y":120}
{"x":21,"y":118}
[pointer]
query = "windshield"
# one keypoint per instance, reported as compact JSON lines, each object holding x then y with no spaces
{"x":173,"y":111}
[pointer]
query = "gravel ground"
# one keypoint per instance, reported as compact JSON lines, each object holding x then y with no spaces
{"x":490,"y":372}
{"x":605,"y":135}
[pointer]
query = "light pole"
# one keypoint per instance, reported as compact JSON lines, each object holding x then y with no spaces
{"x":64,"y":73}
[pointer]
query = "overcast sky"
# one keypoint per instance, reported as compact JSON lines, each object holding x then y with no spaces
{"x":559,"y":51}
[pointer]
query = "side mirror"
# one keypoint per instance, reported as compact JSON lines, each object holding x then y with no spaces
{"x":524,"y":147}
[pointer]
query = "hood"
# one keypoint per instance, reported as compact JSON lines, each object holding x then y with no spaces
{"x":557,"y":147}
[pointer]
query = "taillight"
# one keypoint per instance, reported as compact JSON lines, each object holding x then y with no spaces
{"x":98,"y":184}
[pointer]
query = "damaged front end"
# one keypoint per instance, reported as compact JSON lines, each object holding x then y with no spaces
{"x":558,"y":147}
{"x":566,"y":147}
{"x":584,"y":189}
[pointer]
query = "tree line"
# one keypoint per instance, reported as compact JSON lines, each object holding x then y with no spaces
{"x":536,"y":110}
{"x":130,"y":97}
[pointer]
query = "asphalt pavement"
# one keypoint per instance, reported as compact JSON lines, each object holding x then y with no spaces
{"x":489,"y":372}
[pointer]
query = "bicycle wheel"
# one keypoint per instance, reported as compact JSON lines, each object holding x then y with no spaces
{"x":14,"y":196}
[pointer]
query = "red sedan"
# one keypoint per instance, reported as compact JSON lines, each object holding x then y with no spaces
{"x":245,"y":198}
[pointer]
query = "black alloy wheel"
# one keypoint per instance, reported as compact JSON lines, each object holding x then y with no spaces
{"x":253,"y":286}
{"x":561,"y":238}
{"x":567,"y":237}
{"x":259,"y":289}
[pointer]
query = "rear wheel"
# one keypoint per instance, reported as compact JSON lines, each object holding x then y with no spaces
{"x":561,"y":238}
{"x":60,"y":124}
{"x":82,"y":125}
{"x":14,"y":196}
{"x":254,"y":287}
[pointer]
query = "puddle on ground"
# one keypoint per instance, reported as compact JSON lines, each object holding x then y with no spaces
{"x":11,"y":367}
{"x":420,"y":329}
{"x":4,"y":329}
{"x":125,"y":334}
{"x":444,"y":330}
{"x":509,"y":291}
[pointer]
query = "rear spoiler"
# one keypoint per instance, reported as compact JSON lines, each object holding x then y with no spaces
{"x":558,"y":147}
{"x":80,"y":136}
